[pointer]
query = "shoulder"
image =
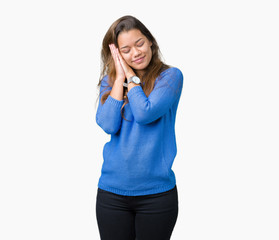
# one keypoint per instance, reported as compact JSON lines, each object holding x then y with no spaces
{"x":171,"y":75}
{"x":172,"y":72}
{"x":105,"y":78}
{"x":105,"y":84}
{"x":105,"y":81}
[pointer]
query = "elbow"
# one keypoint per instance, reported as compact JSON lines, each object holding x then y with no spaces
{"x":111,"y":130}
{"x":146,"y":117}
{"x":143,"y":119}
{"x":107,"y":127}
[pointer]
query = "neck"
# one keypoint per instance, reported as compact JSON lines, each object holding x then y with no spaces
{"x":139,"y":73}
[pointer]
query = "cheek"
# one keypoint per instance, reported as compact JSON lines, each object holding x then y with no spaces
{"x":126,"y":58}
{"x":150,"y":53}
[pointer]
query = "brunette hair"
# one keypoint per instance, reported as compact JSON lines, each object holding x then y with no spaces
{"x":152,"y":71}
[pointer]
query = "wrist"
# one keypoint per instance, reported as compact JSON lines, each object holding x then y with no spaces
{"x":119,"y":80}
{"x":130,"y":74}
{"x":132,"y":81}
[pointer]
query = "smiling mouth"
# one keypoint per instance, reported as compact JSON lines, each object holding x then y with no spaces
{"x":139,"y":60}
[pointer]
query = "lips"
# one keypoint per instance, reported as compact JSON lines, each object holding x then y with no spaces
{"x":139,"y":60}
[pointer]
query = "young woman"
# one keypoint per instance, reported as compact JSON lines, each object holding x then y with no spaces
{"x":139,"y":95}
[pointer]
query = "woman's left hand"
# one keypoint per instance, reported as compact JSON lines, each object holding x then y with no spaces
{"x":127,"y":69}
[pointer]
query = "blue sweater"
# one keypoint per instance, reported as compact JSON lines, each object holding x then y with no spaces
{"x":139,"y":156}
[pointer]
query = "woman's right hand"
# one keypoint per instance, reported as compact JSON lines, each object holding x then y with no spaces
{"x":120,"y":74}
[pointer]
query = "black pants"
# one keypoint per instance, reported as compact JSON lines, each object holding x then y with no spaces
{"x":148,"y":217}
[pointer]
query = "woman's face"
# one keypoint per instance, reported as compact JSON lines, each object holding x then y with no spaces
{"x":135,"y":48}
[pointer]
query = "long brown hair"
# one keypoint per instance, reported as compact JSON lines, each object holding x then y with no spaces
{"x":153,"y":70}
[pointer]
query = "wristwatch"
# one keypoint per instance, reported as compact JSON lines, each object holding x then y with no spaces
{"x":133,"y":79}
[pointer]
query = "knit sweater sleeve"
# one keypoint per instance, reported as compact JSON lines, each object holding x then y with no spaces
{"x":108,"y":115}
{"x":166,"y":92}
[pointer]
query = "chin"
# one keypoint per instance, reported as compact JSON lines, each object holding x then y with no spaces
{"x":140,"y":67}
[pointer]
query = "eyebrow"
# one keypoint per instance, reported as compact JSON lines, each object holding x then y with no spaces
{"x":135,"y":42}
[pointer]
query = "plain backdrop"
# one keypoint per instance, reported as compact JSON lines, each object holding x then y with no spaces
{"x":226,"y":128}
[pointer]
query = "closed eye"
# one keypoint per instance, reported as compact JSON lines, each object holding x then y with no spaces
{"x":139,"y":45}
{"x":127,"y":51}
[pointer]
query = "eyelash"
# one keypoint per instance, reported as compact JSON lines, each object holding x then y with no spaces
{"x":141,"y":44}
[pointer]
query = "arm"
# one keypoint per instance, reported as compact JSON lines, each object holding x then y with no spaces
{"x":163,"y":96}
{"x":108,"y":115}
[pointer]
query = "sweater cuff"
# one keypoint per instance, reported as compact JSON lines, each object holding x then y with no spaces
{"x":114,"y":102}
{"x":134,"y":90}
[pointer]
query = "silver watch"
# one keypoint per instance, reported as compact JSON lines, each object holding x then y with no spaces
{"x":133,"y":79}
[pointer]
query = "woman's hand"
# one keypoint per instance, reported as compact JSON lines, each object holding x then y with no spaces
{"x":128,"y":71}
{"x":120,"y":74}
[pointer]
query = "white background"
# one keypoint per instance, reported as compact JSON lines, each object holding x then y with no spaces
{"x":227,"y":122}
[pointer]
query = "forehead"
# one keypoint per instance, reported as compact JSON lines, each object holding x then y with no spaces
{"x":129,"y":37}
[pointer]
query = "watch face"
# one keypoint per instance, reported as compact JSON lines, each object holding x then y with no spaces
{"x":136,"y":79}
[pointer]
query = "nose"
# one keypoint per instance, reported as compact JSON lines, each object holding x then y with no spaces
{"x":137,"y":52}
